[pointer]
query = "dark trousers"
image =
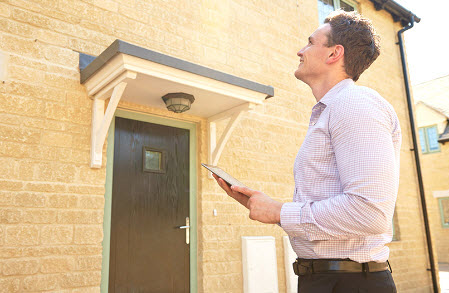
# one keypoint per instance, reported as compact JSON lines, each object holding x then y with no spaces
{"x":377,"y":282}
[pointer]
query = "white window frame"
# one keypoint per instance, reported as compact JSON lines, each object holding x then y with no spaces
{"x":337,"y":6}
{"x":426,"y":139}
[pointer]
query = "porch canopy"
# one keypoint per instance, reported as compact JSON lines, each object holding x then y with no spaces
{"x":141,"y":76}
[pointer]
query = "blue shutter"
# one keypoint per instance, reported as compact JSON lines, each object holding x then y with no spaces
{"x":422,"y":140}
{"x":432,"y":139}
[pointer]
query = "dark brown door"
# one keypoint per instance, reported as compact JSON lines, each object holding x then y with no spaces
{"x":150,"y":200}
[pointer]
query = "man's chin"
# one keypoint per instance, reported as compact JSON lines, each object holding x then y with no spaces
{"x":298,"y":74}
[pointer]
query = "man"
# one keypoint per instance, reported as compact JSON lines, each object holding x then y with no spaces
{"x":346,"y":171}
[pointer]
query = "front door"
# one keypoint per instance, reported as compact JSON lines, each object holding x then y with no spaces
{"x":150,"y":201}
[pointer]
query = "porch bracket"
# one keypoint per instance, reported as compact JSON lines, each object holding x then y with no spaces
{"x":101,"y":120}
{"x":215,"y":149}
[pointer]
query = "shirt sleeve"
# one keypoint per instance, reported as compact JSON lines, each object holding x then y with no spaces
{"x":361,"y":138}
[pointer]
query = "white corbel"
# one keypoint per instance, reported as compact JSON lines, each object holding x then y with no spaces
{"x":101,"y":119}
{"x":215,"y":149}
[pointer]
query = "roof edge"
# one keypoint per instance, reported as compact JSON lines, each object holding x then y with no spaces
{"x":397,"y":11}
{"x":119,"y":46}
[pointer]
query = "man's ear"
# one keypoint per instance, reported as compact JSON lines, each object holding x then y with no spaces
{"x":336,"y":54}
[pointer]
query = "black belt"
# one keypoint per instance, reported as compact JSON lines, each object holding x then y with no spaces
{"x":307,"y":266}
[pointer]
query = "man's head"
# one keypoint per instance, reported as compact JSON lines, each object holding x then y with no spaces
{"x":358,"y":37}
{"x":346,"y":45}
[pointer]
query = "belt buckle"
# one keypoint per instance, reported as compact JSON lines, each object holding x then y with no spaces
{"x":301,"y":268}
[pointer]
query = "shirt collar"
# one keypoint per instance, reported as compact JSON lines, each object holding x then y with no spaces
{"x":328,"y":97}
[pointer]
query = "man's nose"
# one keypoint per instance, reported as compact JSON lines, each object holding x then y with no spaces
{"x":300,"y":52}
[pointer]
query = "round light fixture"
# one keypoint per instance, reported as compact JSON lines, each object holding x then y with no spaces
{"x":178,"y":102}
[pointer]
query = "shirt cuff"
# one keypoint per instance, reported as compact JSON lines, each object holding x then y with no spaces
{"x":291,"y":218}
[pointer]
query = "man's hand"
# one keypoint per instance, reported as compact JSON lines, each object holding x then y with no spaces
{"x":261,"y":207}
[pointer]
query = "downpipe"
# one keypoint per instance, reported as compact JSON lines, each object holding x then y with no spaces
{"x":415,"y":151}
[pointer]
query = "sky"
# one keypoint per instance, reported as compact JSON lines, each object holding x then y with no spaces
{"x":427,"y":43}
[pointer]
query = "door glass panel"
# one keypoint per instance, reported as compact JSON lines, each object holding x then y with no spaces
{"x":153,"y":160}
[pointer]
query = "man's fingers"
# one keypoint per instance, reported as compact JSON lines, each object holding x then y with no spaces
{"x":241,"y":198}
{"x":243,"y":190}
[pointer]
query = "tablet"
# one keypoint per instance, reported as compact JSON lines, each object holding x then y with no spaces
{"x":223,"y":175}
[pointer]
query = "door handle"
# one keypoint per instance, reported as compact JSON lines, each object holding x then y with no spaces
{"x":187,"y":228}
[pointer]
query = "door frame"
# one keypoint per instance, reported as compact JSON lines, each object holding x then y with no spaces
{"x":108,"y":192}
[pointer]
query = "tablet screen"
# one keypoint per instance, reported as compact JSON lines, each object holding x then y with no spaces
{"x":223,"y":175}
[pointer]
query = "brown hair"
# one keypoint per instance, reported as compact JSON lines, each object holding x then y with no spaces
{"x":357,"y":35}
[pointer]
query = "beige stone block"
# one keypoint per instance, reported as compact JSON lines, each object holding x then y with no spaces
{"x":133,"y":13}
{"x":18,"y":28}
{"x":45,"y":187}
{"x":34,"y":91}
{"x":130,"y":3}
{"x":5,"y":10}
{"x":80,"y":279}
{"x":107,"y":4}
{"x":9,"y":185}
{"x":10,"y":285}
{"x":26,"y":74}
{"x":86,"y":290}
{"x":6,"y":198}
{"x":61,"y":264}
{"x":2,"y":235}
{"x":26,"y":62}
{"x":39,"y":216}
{"x":88,"y":175}
{"x":21,"y":105}
{"x":86,"y":189}
{"x":80,"y":217}
{"x":91,"y":201}
{"x":62,"y":201}
{"x":22,"y":235}
{"x":59,"y":81}
{"x":20,"y":267}
{"x":12,"y":149}
{"x":40,"y":282}
{"x":57,"y":234}
{"x":53,"y":38}
{"x":59,"y":139}
{"x":105,"y":30}
{"x":10,"y":216}
{"x":88,"y":234}
{"x":86,"y":47}
{"x":54,"y":171}
{"x":26,"y":135}
{"x":27,"y":47}
{"x":88,"y":263}
{"x":64,"y":56}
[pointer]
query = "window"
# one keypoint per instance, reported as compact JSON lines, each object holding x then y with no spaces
{"x":327,"y":6}
{"x":153,"y":160}
{"x":444,"y":211}
{"x":428,"y":138}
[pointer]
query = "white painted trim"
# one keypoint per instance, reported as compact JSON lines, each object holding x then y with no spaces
{"x":215,"y":149}
{"x":123,"y":68}
{"x":101,"y":121}
{"x":259,"y":264}
{"x":289,"y":258}
{"x":440,"y":193}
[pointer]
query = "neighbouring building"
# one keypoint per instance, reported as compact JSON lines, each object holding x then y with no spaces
{"x":101,"y":187}
{"x":432,"y":112}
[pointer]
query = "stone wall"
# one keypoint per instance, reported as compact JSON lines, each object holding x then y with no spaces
{"x":51,"y":202}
